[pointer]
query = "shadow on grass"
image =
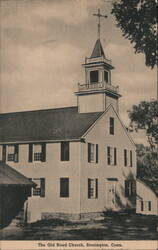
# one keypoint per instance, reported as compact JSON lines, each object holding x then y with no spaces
{"x":114,"y":226}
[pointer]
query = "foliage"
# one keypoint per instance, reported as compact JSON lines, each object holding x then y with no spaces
{"x":145,"y":116}
{"x":147,"y":166}
{"x":138,"y":22}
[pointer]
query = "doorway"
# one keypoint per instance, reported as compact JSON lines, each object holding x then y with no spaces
{"x":111,"y":194}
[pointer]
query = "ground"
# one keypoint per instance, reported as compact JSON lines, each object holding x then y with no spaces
{"x":112,"y":227}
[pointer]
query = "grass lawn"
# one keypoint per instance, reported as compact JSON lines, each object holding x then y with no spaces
{"x":112,"y":227}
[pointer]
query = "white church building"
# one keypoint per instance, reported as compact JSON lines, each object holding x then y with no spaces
{"x":82,"y":157}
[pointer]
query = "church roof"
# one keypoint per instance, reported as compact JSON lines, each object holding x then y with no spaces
{"x":151,"y":183}
{"x":9,"y":176}
{"x":98,"y":50}
{"x":50,"y":124}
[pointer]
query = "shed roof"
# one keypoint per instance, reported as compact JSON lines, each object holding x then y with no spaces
{"x":51,"y":124}
{"x":151,"y":183}
{"x":9,"y":176}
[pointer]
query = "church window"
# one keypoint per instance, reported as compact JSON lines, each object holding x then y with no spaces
{"x":92,"y":188}
{"x":12,"y":152}
{"x":37,"y":152}
{"x":94,"y":76}
{"x":145,"y":205}
{"x":39,"y":190}
{"x":130,"y":188}
{"x":64,"y":187}
{"x":65,"y":151}
{"x":111,"y":156}
{"x":93,"y":152}
{"x":106,"y":76}
{"x":128,"y":158}
{"x":111,"y":127}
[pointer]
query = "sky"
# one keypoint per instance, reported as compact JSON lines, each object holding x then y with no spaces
{"x":43,"y":44}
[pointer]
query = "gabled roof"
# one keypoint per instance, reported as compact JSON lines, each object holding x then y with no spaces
{"x":51,"y":124}
{"x":9,"y":176}
{"x":123,"y":126}
{"x":98,"y":50}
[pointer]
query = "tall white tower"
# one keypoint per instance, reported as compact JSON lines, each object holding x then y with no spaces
{"x":98,"y":92}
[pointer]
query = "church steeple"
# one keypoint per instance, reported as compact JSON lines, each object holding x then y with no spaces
{"x":98,"y":92}
{"x":98,"y":50}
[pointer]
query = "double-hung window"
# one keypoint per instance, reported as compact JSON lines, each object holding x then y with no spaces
{"x":111,"y":156}
{"x":65,"y":151}
{"x":145,"y":205}
{"x":64,"y":187}
{"x":37,"y":152}
{"x":93,"y":152}
{"x":92,"y":188}
{"x":12,"y":152}
{"x":130,"y":188}
{"x":128,"y":158}
{"x":39,"y":190}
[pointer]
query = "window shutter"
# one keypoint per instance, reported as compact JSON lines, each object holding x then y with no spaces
{"x":42,"y":187}
{"x":64,"y":187}
{"x":89,"y":152}
{"x":125,"y":157}
{"x":4,"y":153}
{"x":96,"y":188}
{"x":142,"y":205}
{"x":30,"y":152}
{"x":64,"y":151}
{"x":16,"y":155}
{"x":111,"y":126}
{"x":97,"y":153}
{"x":133,"y":188}
{"x":115,"y":156}
{"x":131,"y":160}
{"x":29,"y":193}
{"x":126,"y":189}
{"x":108,"y":155}
{"x":43,"y":152}
{"x":67,"y":151}
{"x":149,"y":205}
{"x":89,"y":187}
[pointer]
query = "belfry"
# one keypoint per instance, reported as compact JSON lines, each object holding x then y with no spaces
{"x":98,"y":92}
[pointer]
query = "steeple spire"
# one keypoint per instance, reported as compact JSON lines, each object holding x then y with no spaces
{"x":98,"y":50}
{"x":99,"y":16}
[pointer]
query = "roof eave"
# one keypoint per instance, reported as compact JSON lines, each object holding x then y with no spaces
{"x":40,"y":140}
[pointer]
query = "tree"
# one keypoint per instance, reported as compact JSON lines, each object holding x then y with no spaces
{"x":138,"y":22}
{"x":145,"y":116}
{"x":147,"y":166}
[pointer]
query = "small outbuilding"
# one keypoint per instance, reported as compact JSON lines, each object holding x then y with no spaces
{"x":147,"y":198}
{"x":14,"y":191}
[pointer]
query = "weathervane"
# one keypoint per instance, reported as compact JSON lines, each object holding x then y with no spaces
{"x":99,"y":16}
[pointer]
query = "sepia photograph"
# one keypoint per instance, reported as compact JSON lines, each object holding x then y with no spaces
{"x":78,"y":124}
